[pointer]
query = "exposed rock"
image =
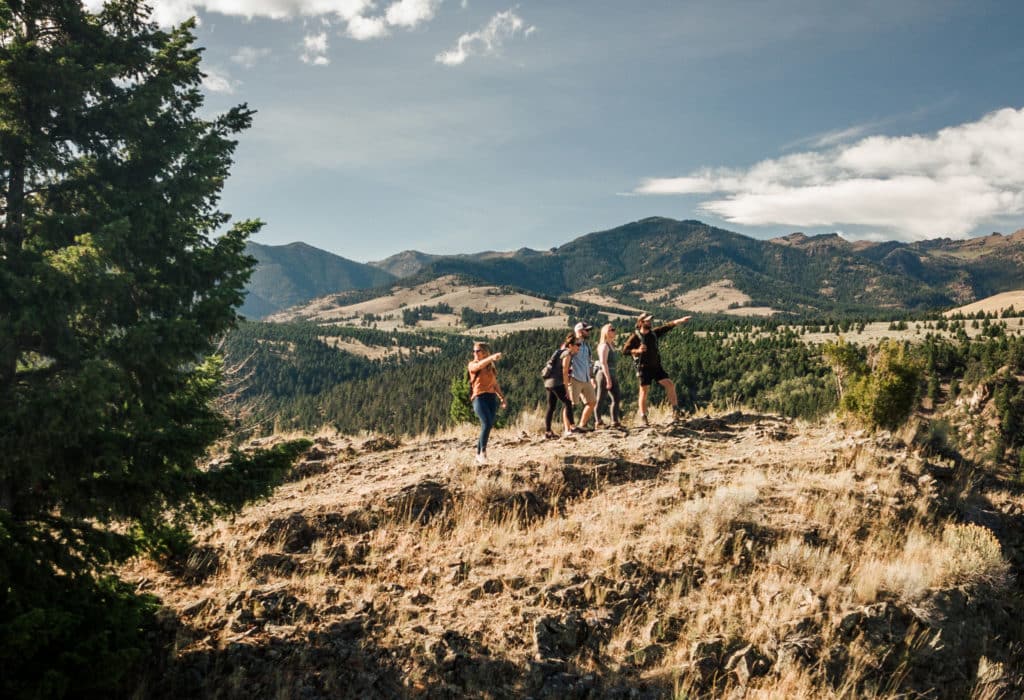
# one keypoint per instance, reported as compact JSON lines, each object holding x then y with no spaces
{"x":666,"y":628}
{"x":293,"y":534}
{"x":420,"y":598}
{"x":271,"y":563}
{"x":420,"y":501}
{"x":707,"y":658}
{"x":493,"y":586}
{"x":380,"y":444}
{"x":647,"y":656}
{"x":559,"y":637}
{"x":202,"y":562}
{"x":747,"y":663}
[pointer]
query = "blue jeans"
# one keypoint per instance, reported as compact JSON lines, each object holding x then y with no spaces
{"x":485,"y":406}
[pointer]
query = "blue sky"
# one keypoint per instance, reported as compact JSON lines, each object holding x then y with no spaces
{"x":453,"y":126}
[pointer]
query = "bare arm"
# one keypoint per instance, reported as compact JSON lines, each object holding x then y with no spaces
{"x":477,"y":365}
{"x":602,"y":357}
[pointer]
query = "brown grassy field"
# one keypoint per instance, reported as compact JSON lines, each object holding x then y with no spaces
{"x":727,"y":555}
{"x":995,"y":304}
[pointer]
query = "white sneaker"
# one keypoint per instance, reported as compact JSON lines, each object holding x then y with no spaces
{"x":481,"y":458}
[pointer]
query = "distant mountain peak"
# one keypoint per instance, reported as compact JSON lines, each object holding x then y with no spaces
{"x":802,"y":240}
{"x":290,"y":274}
{"x":404,"y":264}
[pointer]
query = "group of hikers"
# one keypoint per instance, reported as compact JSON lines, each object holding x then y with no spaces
{"x":573,"y":377}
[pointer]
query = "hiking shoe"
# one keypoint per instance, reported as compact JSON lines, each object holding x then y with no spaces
{"x":574,"y":431}
{"x":619,"y":426}
{"x":600,"y":425}
{"x":481,"y":458}
{"x":642,"y":420}
{"x":548,"y":435}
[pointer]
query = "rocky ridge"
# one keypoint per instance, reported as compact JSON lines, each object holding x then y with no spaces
{"x":728,"y":554}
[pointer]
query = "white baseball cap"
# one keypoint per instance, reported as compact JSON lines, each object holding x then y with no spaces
{"x":581,"y":326}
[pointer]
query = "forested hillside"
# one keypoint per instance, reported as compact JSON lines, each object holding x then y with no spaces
{"x":304,"y":376}
{"x":661,"y":259}
{"x":295,"y":379}
{"x":290,"y":274}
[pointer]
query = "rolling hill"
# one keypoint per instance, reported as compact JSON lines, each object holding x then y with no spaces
{"x":668,"y":263}
{"x":291,"y":274}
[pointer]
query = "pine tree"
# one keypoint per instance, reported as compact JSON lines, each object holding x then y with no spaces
{"x":113,"y":281}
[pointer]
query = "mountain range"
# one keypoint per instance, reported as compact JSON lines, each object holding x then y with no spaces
{"x":291,"y":274}
{"x":658,"y":260}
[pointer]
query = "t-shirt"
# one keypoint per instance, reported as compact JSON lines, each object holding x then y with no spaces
{"x":483,"y":381}
{"x":651,"y":359}
{"x":557,"y":379}
{"x":580,"y":366}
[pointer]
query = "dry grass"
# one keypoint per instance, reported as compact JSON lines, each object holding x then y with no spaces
{"x":663,"y":540}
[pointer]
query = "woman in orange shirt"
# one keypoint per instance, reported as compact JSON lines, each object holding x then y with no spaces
{"x":485,"y":394}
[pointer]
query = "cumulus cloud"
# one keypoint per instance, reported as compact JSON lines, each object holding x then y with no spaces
{"x":409,"y":13}
{"x":920,"y":186}
{"x":363,"y":28}
{"x":314,"y":48}
{"x":486,"y":41}
{"x":359,"y":18}
{"x":248,"y":56}
{"x":168,"y":12}
{"x":216,"y":80}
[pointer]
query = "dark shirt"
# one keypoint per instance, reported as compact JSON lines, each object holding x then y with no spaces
{"x":651,"y":358}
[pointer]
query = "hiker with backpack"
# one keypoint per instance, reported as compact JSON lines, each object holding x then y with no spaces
{"x":643,"y":347}
{"x":556,"y":379}
{"x":485,"y":394}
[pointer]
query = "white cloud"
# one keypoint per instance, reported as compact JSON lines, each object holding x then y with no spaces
{"x":833,"y":137}
{"x":409,"y":13}
{"x":248,"y":56}
{"x":314,"y":48}
{"x":363,"y":28}
{"x":921,"y":186}
{"x":216,"y":80}
{"x":358,"y":17}
{"x":486,"y":41}
{"x":168,"y":12}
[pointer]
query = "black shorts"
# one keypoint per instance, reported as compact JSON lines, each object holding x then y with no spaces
{"x":649,"y":375}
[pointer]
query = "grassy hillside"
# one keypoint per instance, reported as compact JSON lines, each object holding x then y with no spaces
{"x":735,"y":554}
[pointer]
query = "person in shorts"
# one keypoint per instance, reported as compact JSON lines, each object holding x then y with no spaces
{"x":643,"y":347}
{"x":580,"y":388}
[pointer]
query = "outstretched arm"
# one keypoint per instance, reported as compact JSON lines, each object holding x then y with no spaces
{"x":477,"y":365}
